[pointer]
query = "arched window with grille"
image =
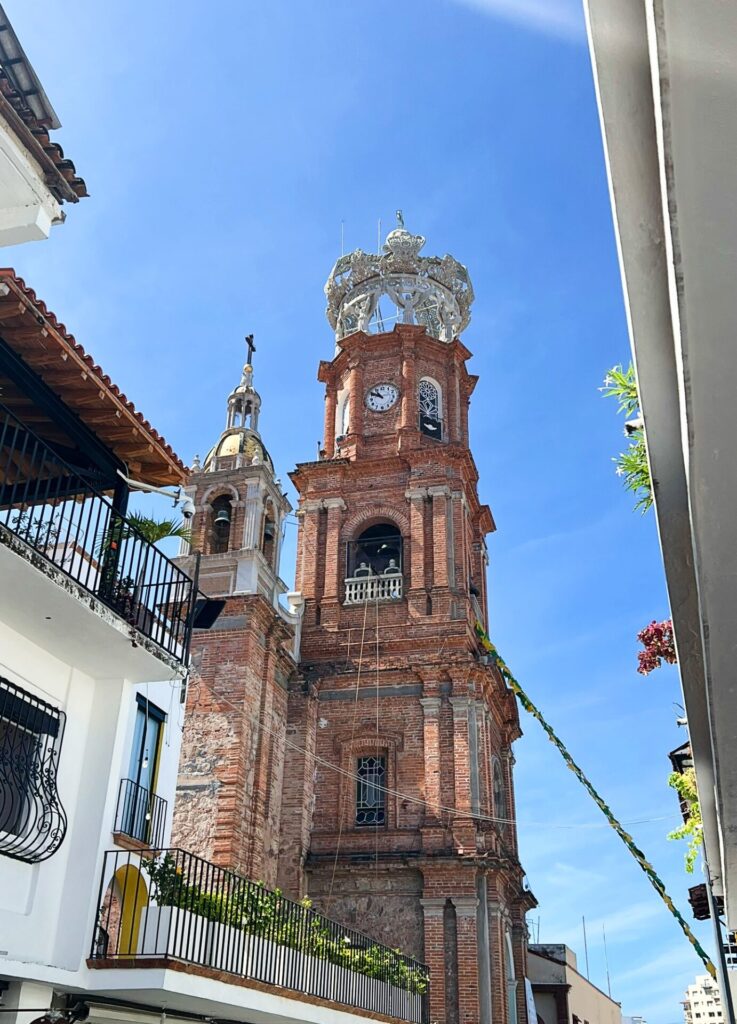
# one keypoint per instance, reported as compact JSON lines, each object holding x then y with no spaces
{"x":343,"y":417}
{"x":431,"y":409}
{"x":371,"y":790}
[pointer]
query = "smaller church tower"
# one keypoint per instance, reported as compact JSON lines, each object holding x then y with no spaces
{"x":231,"y":768}
{"x":240,"y":506}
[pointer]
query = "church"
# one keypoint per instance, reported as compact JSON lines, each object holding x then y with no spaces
{"x":349,"y":741}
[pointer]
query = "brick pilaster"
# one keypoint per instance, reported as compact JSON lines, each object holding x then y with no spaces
{"x":307,"y":553}
{"x":409,"y":411}
{"x":433,"y":910}
{"x":461,"y":754}
{"x":417,"y":497}
{"x":440,"y":534}
{"x":431,"y":739}
{"x":333,"y":561}
{"x":355,"y":388}
{"x":507,"y":759}
{"x":454,"y":405}
{"x":329,"y":429}
{"x":519,"y":947}
{"x":468,"y":964}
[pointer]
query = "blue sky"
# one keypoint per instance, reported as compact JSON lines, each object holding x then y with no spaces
{"x":223,"y":146}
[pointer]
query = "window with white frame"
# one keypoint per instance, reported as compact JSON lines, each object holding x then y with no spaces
{"x":343,"y":416}
{"x":370,"y":790}
{"x":431,"y":409}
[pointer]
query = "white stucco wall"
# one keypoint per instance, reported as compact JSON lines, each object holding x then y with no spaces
{"x":47,"y":910}
{"x":27,"y":207}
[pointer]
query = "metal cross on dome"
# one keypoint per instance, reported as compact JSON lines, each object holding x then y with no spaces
{"x":251,"y":348}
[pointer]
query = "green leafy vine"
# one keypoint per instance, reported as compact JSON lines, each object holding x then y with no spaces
{"x":632,"y":464}
{"x":692,"y":828}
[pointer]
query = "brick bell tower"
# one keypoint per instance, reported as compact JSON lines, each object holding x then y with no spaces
{"x":398,"y":815}
{"x":228,"y":805}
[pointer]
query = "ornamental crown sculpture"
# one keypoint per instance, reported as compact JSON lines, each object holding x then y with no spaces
{"x":427,"y":290}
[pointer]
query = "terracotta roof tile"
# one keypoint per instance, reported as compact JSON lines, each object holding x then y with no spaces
{"x":174,"y":469}
{"x":61,"y":176}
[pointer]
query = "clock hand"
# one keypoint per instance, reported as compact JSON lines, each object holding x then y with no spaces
{"x":375,"y":394}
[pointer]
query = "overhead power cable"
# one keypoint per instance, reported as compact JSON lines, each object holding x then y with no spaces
{"x":410,"y":798}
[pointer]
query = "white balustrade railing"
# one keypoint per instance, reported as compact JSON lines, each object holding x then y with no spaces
{"x":360,"y":589}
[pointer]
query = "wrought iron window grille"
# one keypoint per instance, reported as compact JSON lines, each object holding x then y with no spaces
{"x":33,"y":822}
{"x":371,"y":790}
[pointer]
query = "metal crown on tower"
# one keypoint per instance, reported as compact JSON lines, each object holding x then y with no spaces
{"x":431,"y":291}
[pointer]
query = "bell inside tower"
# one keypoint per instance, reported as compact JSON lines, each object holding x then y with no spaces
{"x":220,"y":530}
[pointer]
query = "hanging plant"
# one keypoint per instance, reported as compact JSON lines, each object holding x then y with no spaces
{"x":659,"y":644}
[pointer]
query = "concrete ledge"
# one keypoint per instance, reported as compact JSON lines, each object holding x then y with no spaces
{"x":184,"y":967}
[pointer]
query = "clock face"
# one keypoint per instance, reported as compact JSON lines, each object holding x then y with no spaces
{"x":381,"y":397}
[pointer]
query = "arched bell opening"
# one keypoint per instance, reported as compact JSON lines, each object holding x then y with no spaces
{"x":374,"y":564}
{"x":269,"y":537}
{"x":221,"y":514}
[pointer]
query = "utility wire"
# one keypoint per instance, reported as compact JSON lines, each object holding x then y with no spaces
{"x":626,"y":838}
{"x":451,"y":811}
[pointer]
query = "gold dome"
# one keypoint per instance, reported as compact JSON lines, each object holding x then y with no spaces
{"x":239,"y":441}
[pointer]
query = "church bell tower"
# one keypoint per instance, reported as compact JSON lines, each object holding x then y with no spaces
{"x":398,"y":810}
{"x":228,"y":806}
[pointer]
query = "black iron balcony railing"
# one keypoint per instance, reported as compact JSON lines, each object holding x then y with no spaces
{"x":170,"y":905}
{"x":51,"y":506}
{"x":140,"y":814}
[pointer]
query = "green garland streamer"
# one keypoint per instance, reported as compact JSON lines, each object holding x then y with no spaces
{"x":626,"y":838}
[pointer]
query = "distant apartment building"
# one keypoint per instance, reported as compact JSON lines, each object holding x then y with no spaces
{"x":562,"y":995}
{"x":703,"y":1004}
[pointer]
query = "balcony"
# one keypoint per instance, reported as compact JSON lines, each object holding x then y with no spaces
{"x":362,"y":589}
{"x":374,"y":566}
{"x":167,"y":906}
{"x":140,"y":814}
{"x":52,"y":507}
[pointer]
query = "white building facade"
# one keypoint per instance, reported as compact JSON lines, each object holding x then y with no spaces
{"x":36,"y":180}
{"x":703,"y":1004}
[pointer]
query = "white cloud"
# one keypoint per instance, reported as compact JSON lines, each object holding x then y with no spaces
{"x":621,"y":925}
{"x":560,"y":18}
{"x":664,"y":965}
